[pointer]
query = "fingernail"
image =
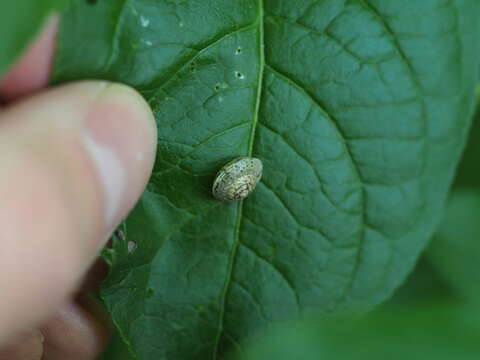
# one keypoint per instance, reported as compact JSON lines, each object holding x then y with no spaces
{"x":120,"y":137}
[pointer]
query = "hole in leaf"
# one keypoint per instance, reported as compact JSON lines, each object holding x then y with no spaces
{"x":131,"y":246}
{"x":221,"y":86}
{"x":144,"y":21}
{"x":239,"y":75}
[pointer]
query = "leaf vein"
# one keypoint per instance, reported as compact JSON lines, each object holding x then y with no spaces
{"x":373,"y":10}
{"x":314,"y":169}
{"x":355,"y":170}
{"x":185,"y":63}
{"x":236,"y":240}
{"x":278,"y":271}
{"x":116,"y":35}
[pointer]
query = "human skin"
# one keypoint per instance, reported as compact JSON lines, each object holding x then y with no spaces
{"x":75,"y":160}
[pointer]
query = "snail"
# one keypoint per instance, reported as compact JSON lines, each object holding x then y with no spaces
{"x":237,"y":179}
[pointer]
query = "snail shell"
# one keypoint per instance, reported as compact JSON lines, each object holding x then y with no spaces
{"x":236,"y":180}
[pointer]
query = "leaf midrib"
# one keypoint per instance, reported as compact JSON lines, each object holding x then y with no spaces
{"x":239,"y":217}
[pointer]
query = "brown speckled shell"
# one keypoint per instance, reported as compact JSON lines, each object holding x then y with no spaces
{"x":236,"y":180}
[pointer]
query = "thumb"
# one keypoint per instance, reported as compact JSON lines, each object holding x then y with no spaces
{"x":74,"y":160}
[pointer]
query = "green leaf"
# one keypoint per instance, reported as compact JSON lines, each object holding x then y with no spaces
{"x":359,"y":111}
{"x":116,"y":350}
{"x":468,"y":174}
{"x":424,"y":285}
{"x":455,"y":250}
{"x":19,"y":21}
{"x":433,"y":332}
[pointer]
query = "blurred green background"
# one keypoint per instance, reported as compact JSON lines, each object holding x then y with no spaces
{"x":434,"y":315}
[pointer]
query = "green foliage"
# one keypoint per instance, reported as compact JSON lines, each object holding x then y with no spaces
{"x":116,"y":350}
{"x":358,"y":110}
{"x":424,"y":286}
{"x":433,"y":332}
{"x":468,"y":175}
{"x":433,"y":316}
{"x":19,"y":21}
{"x":455,"y":251}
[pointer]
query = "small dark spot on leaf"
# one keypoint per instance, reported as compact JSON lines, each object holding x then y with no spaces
{"x":239,"y":75}
{"x":238,"y":51}
{"x":92,"y":2}
{"x":220,"y":87}
{"x":150,"y":292}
